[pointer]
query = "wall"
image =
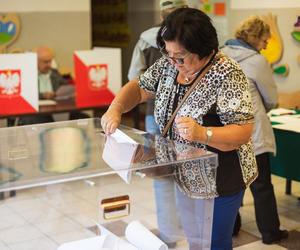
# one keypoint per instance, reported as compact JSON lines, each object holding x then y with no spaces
{"x":287,"y":12}
{"x":63,"y":25}
{"x":141,"y":16}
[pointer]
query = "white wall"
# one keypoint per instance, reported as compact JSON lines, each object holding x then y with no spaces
{"x":265,"y":4}
{"x":42,"y":5}
{"x":63,"y":25}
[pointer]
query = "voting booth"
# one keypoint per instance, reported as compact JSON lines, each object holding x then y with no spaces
{"x":97,"y":76}
{"x":18,"y":84}
{"x":120,"y":209}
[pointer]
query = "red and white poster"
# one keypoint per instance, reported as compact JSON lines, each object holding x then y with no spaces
{"x":18,"y":84}
{"x":97,"y":76}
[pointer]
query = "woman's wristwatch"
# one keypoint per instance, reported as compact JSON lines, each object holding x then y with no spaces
{"x":209,"y":134}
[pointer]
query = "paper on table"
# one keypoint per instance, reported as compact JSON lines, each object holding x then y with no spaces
{"x":281,"y":111}
{"x":141,"y":237}
{"x":94,"y":243}
{"x":47,"y":102}
{"x":285,"y":118}
{"x":65,"y":92}
{"x":292,"y":126}
{"x":118,"y":153}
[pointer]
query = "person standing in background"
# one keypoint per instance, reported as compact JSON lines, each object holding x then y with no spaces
{"x":144,"y":55}
{"x":251,"y":37}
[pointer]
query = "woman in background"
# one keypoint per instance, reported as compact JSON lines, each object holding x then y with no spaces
{"x":250,"y":37}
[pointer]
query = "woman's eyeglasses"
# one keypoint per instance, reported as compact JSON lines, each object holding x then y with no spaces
{"x":178,"y":60}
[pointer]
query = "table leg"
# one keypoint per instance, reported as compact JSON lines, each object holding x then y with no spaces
{"x":288,"y":187}
{"x":12,"y":193}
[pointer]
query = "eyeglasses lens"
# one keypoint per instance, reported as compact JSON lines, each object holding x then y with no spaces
{"x":174,"y":59}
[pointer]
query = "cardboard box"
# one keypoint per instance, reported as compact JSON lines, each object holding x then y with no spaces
{"x":97,"y":76}
{"x":18,"y":84}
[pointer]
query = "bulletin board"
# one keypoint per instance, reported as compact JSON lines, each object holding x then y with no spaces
{"x":217,"y":10}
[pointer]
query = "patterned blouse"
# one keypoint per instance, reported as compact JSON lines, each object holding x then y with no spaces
{"x":221,"y":97}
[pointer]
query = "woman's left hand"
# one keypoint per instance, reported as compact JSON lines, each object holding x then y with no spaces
{"x":188,"y":128}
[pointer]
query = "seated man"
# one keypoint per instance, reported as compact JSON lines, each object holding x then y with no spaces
{"x":49,"y":80}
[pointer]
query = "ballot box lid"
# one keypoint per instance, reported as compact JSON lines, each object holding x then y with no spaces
{"x":42,"y":154}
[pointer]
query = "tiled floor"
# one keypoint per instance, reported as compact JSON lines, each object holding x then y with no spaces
{"x":45,"y":217}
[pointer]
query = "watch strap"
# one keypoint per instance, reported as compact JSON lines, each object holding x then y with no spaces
{"x":208,"y":135}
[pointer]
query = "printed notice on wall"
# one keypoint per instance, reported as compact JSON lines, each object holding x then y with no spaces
{"x":265,"y":4}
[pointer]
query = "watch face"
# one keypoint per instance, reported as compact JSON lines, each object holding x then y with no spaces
{"x":209,"y":132}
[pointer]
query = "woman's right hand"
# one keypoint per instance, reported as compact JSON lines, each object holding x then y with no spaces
{"x":111,"y":119}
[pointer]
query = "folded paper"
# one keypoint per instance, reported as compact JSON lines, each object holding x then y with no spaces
{"x":138,"y":237}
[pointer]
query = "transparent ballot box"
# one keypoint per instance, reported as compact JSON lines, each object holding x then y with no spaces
{"x":77,"y":188}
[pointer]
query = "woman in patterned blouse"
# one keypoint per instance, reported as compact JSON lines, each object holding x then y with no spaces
{"x":217,"y":115}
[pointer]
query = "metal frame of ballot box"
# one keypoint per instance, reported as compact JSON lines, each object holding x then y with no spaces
{"x":118,"y":173}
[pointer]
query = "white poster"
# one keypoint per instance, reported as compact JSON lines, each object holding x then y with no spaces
{"x":263,"y":4}
{"x":40,"y":6}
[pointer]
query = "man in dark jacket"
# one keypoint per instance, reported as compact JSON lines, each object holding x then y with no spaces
{"x":49,"y":79}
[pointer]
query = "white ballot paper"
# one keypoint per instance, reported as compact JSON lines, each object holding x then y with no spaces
{"x":141,"y":237}
{"x":47,"y":102}
{"x":281,"y":111}
{"x":138,"y":237}
{"x":118,"y":153}
{"x":286,"y":119}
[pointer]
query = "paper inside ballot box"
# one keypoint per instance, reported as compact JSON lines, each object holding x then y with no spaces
{"x":137,"y":237}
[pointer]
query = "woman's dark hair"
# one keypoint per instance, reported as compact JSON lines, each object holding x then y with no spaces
{"x":192,"y":29}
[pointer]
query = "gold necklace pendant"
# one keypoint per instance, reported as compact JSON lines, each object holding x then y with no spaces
{"x":188,"y":79}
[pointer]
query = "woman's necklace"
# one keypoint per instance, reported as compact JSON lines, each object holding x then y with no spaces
{"x":189,"y":78}
{"x":207,"y":62}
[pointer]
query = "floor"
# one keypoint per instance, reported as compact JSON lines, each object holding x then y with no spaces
{"x":45,"y":217}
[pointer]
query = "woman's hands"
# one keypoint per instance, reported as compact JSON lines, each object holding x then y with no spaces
{"x":127,"y":98}
{"x":189,"y":129}
{"x":225,"y":138}
{"x":111,"y":119}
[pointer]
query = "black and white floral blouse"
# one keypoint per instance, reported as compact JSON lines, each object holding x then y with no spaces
{"x":221,"y":97}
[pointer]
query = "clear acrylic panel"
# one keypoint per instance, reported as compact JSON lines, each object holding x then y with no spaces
{"x":132,"y":184}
